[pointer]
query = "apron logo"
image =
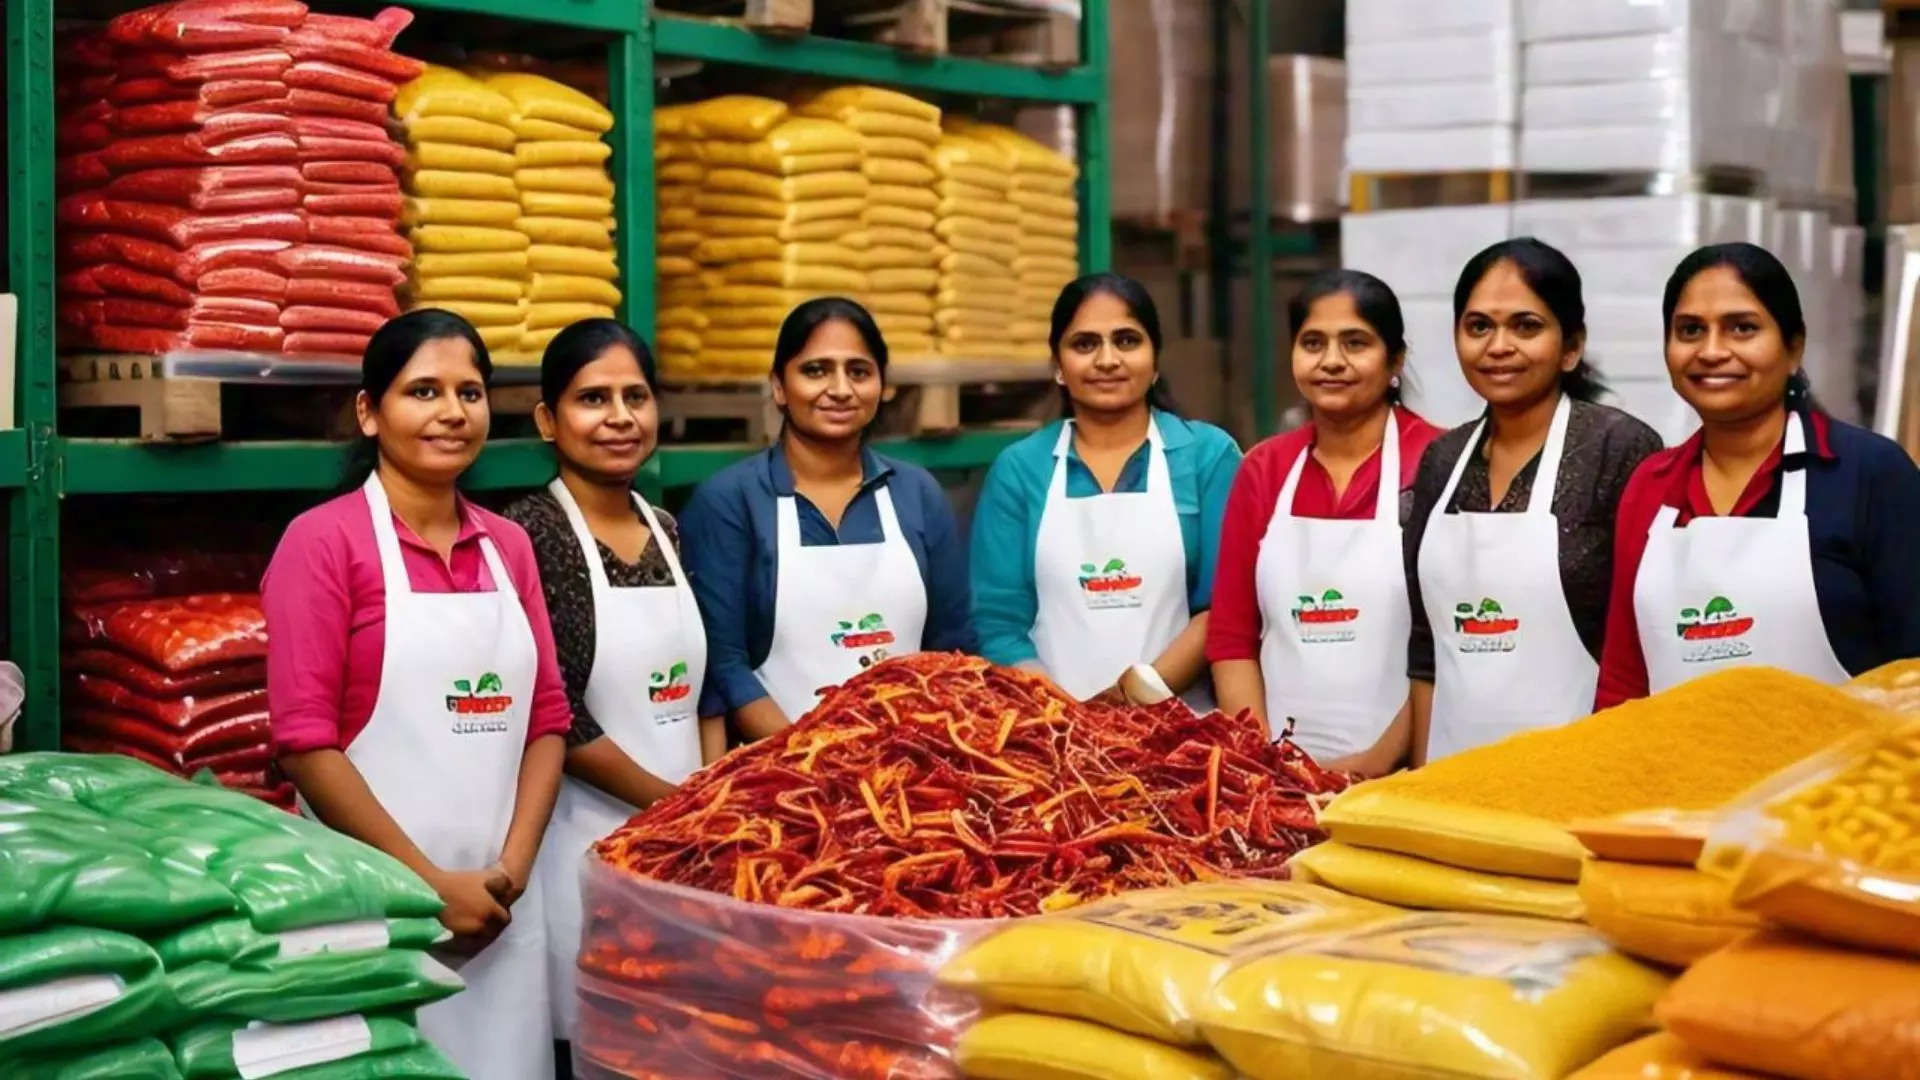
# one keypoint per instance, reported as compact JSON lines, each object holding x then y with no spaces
{"x":1486,"y":628}
{"x":870,"y":633}
{"x":1713,"y":634}
{"x":1324,"y":620}
{"x":477,"y":698}
{"x":669,"y":686}
{"x":1109,"y":586}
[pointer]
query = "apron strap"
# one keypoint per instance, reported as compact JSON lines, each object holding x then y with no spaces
{"x":889,"y":521}
{"x":1548,"y":478}
{"x":1793,"y":479}
{"x":393,"y":567}
{"x":1386,"y":504}
{"x":596,"y":571}
{"x":664,"y":541}
{"x":1460,"y":466}
{"x":502,"y":584}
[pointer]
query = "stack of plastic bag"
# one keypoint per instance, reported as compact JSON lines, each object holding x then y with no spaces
{"x":898,"y":135}
{"x":776,"y":230}
{"x":979,"y":233}
{"x":157,"y":928}
{"x":566,"y":204}
{"x":462,"y":205}
{"x":1049,"y":254}
{"x":228,"y":181}
{"x":679,"y":314}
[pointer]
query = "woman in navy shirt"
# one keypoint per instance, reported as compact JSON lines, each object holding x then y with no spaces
{"x":1776,"y":535}
{"x":819,"y":557}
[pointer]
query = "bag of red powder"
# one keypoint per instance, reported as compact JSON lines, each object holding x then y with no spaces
{"x":245,"y":281}
{"x":372,"y":202}
{"x":220,"y":94}
{"x":212,"y":126}
{"x":335,"y":79}
{"x":123,"y":311}
{"x":187,"y":267}
{"x":80,"y":172}
{"x":243,"y":310}
{"x":346,"y":172}
{"x":177,"y":225}
{"x":322,"y":103}
{"x":139,"y":340}
{"x":335,"y":293}
{"x":215,"y":189}
{"x":325,"y":260}
{"x":205,"y":740}
{"x":181,"y":633}
{"x":152,"y":682}
{"x":327,"y":342}
{"x":338,"y":319}
{"x":377,"y":32}
{"x":179,"y":713}
{"x":235,"y":337}
{"x":367,"y":234}
{"x":324,"y":147}
{"x":208,"y":24}
{"x":119,"y":279}
{"x":307,"y":44}
{"x":87,"y":128}
{"x":205,"y":67}
{"x":158,"y":151}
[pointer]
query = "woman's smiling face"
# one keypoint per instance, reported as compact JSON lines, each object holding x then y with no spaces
{"x":1512,"y":350}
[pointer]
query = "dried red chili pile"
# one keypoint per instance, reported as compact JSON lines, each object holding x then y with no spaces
{"x":941,"y":786}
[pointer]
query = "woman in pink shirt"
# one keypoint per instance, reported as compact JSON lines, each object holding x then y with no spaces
{"x":417,"y":705}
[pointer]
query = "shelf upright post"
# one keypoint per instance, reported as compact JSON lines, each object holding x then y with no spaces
{"x":631,"y":96}
{"x":1093,"y":127}
{"x":1260,"y":241}
{"x":34,"y":523}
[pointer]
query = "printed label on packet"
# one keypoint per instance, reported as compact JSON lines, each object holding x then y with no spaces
{"x":261,"y":1050}
{"x":29,"y":1008}
{"x":365,"y":935}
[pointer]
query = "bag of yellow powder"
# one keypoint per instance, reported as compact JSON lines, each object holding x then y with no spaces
{"x":535,"y":155}
{"x":504,"y":336}
{"x":1831,"y":846}
{"x":727,"y":205}
{"x":1663,"y":837}
{"x":1024,"y":154}
{"x":489,"y":213}
{"x":899,"y":326}
{"x":850,"y":99}
{"x":501,"y":264}
{"x":484,"y":313}
{"x":894,"y":236}
{"x":1414,"y":882}
{"x":895,"y":171}
{"x":447,"y":184}
{"x":459,"y":158}
{"x":958,"y":227}
{"x":1067,"y":251}
{"x":1057,"y":206}
{"x":736,"y":317}
{"x":740,"y":337}
{"x":1022,"y":1046}
{"x":679,"y":242}
{"x":1060,"y":228}
{"x":535,"y":342}
{"x":1783,"y":1005}
{"x":553,"y":315}
{"x":441,"y":91}
{"x":678,"y":338}
{"x":1667,"y":914}
{"x":742,"y":117}
{"x":887,"y":258}
{"x":460,"y":131}
{"x":1430,"y":996}
{"x":899,"y":303}
{"x":539,"y":98}
{"x":979,"y":209}
{"x":453,"y":239}
{"x":955,"y":189}
{"x":1002,"y":254}
{"x":721,"y":252}
{"x":1658,"y":1057}
{"x":796,"y":276}
{"x":876,"y":215}
{"x":903,"y":280}
{"x":1504,"y":808}
{"x":680,"y":318}
{"x":908,"y":198}
{"x":1036,"y":265}
{"x":575,"y":232}
{"x":962,"y":262}
{"x":530,"y":129}
{"x":760,"y":157}
{"x":499,"y":290}
{"x":776,"y":229}
{"x":672,"y":121}
{"x":556,"y":259}
{"x":897,"y":149}
{"x":732,"y":364}
{"x":811,"y":186}
{"x":573,"y":179}
{"x":1143,"y":961}
{"x":544,"y":288}
{"x":565,"y":204}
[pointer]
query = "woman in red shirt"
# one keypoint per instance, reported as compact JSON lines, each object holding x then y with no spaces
{"x":417,"y":704}
{"x":1310,"y":613}
{"x":1776,"y":535}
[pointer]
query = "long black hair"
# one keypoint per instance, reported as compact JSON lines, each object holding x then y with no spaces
{"x":1553,"y":277}
{"x":1139,"y":304}
{"x":1767,"y":278}
{"x":1372,"y":298}
{"x":581,"y":344}
{"x":386,"y":355}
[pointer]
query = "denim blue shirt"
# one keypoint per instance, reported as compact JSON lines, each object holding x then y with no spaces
{"x":730,"y":549}
{"x":1202,"y":460}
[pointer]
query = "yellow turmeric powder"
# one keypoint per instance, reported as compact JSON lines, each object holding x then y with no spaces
{"x":1690,"y":748}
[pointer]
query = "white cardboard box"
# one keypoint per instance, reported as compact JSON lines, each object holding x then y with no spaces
{"x":1434,"y":386}
{"x":1432,"y":150}
{"x":1420,"y":252}
{"x":1486,"y":56}
{"x":1644,"y":221}
{"x":1550,"y":19}
{"x":1436,"y":105}
{"x":1413,"y":20}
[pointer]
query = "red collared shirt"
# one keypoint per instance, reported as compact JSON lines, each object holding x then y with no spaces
{"x":326,"y":606}
{"x":1233,"y":628}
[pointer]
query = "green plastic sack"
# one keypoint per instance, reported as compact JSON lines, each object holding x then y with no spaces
{"x":313,"y":987}
{"x":421,"y":1062}
{"x":216,"y":1049}
{"x":139,"y":1059}
{"x":73,"y":777}
{"x":63,"y":862}
{"x":235,"y":941}
{"x":70,"y":986}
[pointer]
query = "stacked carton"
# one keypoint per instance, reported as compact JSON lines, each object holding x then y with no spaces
{"x":1431,"y":86}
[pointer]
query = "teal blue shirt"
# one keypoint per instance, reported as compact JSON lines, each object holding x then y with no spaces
{"x":1006,"y":522}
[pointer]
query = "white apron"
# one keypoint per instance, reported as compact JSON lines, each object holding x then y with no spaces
{"x":839,"y":608}
{"x":442,"y":753}
{"x":649,"y":654}
{"x":1727,"y":591}
{"x":1507,"y":657}
{"x":1109,"y":573}
{"x":1333,"y":602}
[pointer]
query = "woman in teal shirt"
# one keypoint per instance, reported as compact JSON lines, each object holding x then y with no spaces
{"x":1095,"y":537}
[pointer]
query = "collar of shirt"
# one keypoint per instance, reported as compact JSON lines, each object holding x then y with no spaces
{"x":1174,"y":435}
{"x":1687,"y":488}
{"x":471,"y":529}
{"x":779,"y":474}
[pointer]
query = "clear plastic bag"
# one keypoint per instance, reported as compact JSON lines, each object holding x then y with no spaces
{"x":1831,"y":846}
{"x":183,"y":633}
{"x":678,"y":982}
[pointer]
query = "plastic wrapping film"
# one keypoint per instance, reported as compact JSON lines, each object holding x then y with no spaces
{"x":1422,"y":251}
{"x":1168,"y":89}
{"x":1552,"y":19}
{"x":1487,"y":56}
{"x":681,"y":983}
{"x":1465,"y":149}
{"x":1417,"y":20}
{"x":1831,"y":845}
{"x":1405,"y":107}
{"x":1645,"y":221}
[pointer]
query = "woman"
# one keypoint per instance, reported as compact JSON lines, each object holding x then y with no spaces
{"x":1309,"y":626}
{"x":1510,"y":541}
{"x":626,"y":627}
{"x":819,"y":557}
{"x":1776,"y":535}
{"x":1095,"y":537}
{"x":416,"y":702}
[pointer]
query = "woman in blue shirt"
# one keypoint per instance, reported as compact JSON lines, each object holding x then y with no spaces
{"x":819,"y":557}
{"x":1095,"y":537}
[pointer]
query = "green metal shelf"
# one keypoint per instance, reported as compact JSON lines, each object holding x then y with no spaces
{"x":38,"y":469}
{"x":858,"y":61}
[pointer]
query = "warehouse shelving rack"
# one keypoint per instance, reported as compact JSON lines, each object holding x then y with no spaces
{"x":39,"y":468}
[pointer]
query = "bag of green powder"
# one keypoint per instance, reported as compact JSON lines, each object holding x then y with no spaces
{"x":313,"y":987}
{"x":224,"y":1048}
{"x":138,"y":1059}
{"x":63,"y":862}
{"x":70,"y":986}
{"x":235,"y":941}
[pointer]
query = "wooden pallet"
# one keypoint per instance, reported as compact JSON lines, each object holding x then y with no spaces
{"x":1019,"y":31}
{"x":1407,"y":191}
{"x":100,"y":392}
{"x":720,"y":410}
{"x":771,"y":16}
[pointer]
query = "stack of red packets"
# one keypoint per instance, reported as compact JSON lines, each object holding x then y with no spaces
{"x":228,"y":179}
